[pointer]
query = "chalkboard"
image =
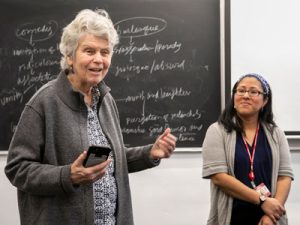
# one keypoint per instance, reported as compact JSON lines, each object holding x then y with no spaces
{"x":165,"y":71}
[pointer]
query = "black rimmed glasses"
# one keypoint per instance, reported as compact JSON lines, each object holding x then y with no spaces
{"x":251,"y":92}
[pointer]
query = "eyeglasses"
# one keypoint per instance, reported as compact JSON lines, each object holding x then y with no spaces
{"x":251,"y":92}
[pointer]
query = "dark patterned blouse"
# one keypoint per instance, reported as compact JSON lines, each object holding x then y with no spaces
{"x":105,"y":189}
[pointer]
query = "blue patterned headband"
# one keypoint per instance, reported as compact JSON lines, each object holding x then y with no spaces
{"x":262,"y":80}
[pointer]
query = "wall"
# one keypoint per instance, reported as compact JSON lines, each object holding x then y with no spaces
{"x":173,"y":193}
{"x":265,"y":38}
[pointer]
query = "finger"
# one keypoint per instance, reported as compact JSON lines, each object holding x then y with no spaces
{"x":166,"y":139}
{"x":99,"y":175}
{"x":165,"y":133}
{"x":274,"y":220}
{"x":163,"y":144}
{"x":171,"y":147}
{"x":79,"y":161}
{"x":171,"y":139}
{"x":92,"y":175}
{"x":99,"y":167}
{"x":279,"y":212}
{"x":171,"y":136}
{"x":166,"y":148}
{"x":277,"y":216}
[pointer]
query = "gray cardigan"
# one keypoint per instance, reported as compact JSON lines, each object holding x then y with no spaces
{"x":218,"y":156}
{"x":51,"y":133}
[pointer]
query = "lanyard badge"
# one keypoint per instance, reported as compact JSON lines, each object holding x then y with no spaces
{"x":262,"y":188}
{"x":251,"y":157}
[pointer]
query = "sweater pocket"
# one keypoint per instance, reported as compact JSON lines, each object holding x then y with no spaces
{"x":52,"y":210}
{"x":55,"y":215}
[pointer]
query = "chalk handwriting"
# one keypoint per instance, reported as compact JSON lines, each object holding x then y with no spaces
{"x":145,"y":58}
{"x":187,"y":137}
{"x":137,"y":130}
{"x":175,"y":47}
{"x":35,"y":51}
{"x":131,"y":49}
{"x":33,"y":65}
{"x":188,"y":114}
{"x":165,"y":65}
{"x":180,"y":114}
{"x":143,"y":119}
{"x":33,"y":32}
{"x":140,"y":26}
{"x":156,"y":48}
{"x":155,"y":66}
{"x":41,"y":77}
{"x":157,"y":94}
{"x":184,"y":133}
{"x":10,"y":96}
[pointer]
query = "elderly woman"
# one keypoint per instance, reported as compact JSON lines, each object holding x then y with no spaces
{"x":65,"y":117}
{"x":247,"y":158}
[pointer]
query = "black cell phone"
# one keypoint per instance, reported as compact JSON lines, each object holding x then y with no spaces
{"x":96,"y":155}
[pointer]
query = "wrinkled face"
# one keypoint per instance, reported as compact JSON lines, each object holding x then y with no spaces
{"x":249,"y":105}
{"x":92,"y":60}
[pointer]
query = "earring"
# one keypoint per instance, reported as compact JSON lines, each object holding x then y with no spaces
{"x":71,"y":69}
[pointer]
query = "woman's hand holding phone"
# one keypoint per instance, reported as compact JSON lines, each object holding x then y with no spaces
{"x":96,"y":155}
{"x":81,"y":174}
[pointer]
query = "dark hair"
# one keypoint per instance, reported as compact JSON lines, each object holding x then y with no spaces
{"x":230,"y":120}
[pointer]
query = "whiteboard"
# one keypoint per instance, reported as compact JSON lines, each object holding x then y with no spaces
{"x":265,"y":39}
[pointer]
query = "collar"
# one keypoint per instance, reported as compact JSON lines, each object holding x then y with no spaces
{"x":72,"y":98}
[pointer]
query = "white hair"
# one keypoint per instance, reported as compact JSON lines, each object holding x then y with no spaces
{"x":86,"y":21}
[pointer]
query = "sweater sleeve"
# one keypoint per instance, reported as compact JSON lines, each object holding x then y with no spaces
{"x":213,"y":151}
{"x":138,"y":158}
{"x":25,"y":168}
{"x":285,"y":168}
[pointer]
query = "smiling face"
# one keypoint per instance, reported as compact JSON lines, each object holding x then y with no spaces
{"x":91,"y":61}
{"x":245,"y":105}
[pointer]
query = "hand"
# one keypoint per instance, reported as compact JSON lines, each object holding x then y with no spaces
{"x":273,"y":208}
{"x":81,"y":174}
{"x":266,"y":220}
{"x":164,"y":145}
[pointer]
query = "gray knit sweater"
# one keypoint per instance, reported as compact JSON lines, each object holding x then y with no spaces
{"x":51,"y":134}
{"x":218,"y":156}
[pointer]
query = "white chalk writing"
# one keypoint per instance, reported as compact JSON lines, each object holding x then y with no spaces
{"x":33,"y":32}
{"x":140,"y":58}
{"x":140,"y":26}
{"x":180,"y":114}
{"x":155,"y":66}
{"x":11,"y":96}
{"x":157,"y":95}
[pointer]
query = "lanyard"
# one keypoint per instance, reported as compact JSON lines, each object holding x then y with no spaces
{"x":251,"y":157}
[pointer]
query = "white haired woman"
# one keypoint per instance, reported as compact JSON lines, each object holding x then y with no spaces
{"x":59,"y":123}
